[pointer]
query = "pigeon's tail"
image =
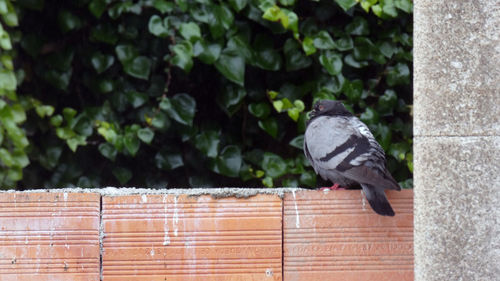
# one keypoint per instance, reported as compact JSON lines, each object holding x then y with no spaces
{"x":378,"y":201}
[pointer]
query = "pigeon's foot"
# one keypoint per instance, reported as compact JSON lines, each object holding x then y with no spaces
{"x":335,"y":186}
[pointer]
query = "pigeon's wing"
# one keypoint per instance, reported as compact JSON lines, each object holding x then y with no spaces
{"x":366,"y":163}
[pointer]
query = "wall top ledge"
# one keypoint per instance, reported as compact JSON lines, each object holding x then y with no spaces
{"x":216,"y":192}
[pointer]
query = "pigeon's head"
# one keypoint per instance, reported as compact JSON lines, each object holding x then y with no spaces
{"x":329,"y":108}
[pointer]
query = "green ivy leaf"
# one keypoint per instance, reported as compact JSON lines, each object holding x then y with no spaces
{"x":409,"y":161}
{"x":387,"y":102}
{"x":294,"y":113}
{"x":398,"y":150}
{"x":6,"y":158}
{"x":8,"y":80}
{"x":370,"y":116}
{"x":229,"y":161}
{"x":97,"y":7}
{"x":50,"y":158}
{"x":104,"y":33}
{"x":190,"y":31}
{"x":358,"y":26}
{"x":346,"y":4}
{"x":260,"y":110}
{"x":183,"y":56}
{"x":344,"y":43}
{"x":160,"y":121}
{"x":270,"y":125}
{"x":136,"y":99}
{"x":14,"y":113}
{"x":387,"y":49}
{"x":123,"y":175}
{"x":239,"y":45}
{"x":308,"y":178}
{"x":400,"y":74}
{"x":232,"y":67}
{"x":156,"y":27}
{"x":265,"y":56}
{"x":207,"y":53}
{"x":366,"y":4}
{"x":146,"y":135}
{"x":5,"y":42}
{"x":230,"y":99}
{"x":405,"y":5}
{"x":20,"y":159}
{"x":274,"y":13}
{"x":238,"y":5}
{"x":268,"y":182}
{"x":15,"y":174}
{"x":353,"y":90}
{"x":221,"y":20}
{"x":56,"y":121}
{"x":308,"y":46}
{"x":68,"y":21}
{"x":132,"y":143}
{"x":208,"y":143}
{"x":126,"y":53}
{"x":351,"y":61}
{"x":139,"y":67}
{"x":273,"y":165}
{"x":384,"y":136}
{"x":163,"y":6}
{"x":323,"y":40}
{"x":9,"y":14}
{"x":297,"y":142}
{"x":75,"y":141}
{"x":101,"y":62}
{"x":332,"y":62}
{"x":293,"y":23}
{"x":294,"y":57}
{"x":389,"y":8}
{"x":168,"y":160}
{"x":44,"y":110}
{"x":183,"y":108}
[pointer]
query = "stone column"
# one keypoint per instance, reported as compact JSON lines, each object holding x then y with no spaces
{"x":457,"y":140}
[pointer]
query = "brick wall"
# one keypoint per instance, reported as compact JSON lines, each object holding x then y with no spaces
{"x":114,"y":234}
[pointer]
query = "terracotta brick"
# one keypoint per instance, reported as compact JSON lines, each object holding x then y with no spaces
{"x":335,"y":235}
{"x":49,"y":236}
{"x":168,"y":237}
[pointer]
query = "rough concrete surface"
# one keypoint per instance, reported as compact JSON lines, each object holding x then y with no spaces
{"x":457,"y":214}
{"x":457,"y":67}
{"x":457,"y":140}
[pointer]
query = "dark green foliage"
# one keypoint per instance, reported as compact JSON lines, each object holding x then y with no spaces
{"x":154,"y":93}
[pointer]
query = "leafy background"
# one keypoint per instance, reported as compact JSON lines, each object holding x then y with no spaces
{"x":158,"y":93}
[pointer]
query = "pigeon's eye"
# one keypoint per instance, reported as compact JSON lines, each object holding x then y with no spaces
{"x":321,"y":107}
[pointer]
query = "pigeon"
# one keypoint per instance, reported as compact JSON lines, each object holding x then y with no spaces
{"x":342,"y":149}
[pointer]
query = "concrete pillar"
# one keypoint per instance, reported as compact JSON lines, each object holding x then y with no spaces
{"x":457,"y":140}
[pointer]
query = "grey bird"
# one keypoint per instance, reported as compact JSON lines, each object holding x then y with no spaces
{"x":342,"y":149}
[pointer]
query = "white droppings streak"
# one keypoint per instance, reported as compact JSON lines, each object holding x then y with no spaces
{"x":176,"y":216}
{"x":363,"y":202}
{"x":144,"y":198}
{"x":65,"y":196}
{"x":297,"y":217}
{"x":166,"y":238}
{"x":152,"y":253}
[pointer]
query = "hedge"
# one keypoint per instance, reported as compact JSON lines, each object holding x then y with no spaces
{"x":158,"y":93}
